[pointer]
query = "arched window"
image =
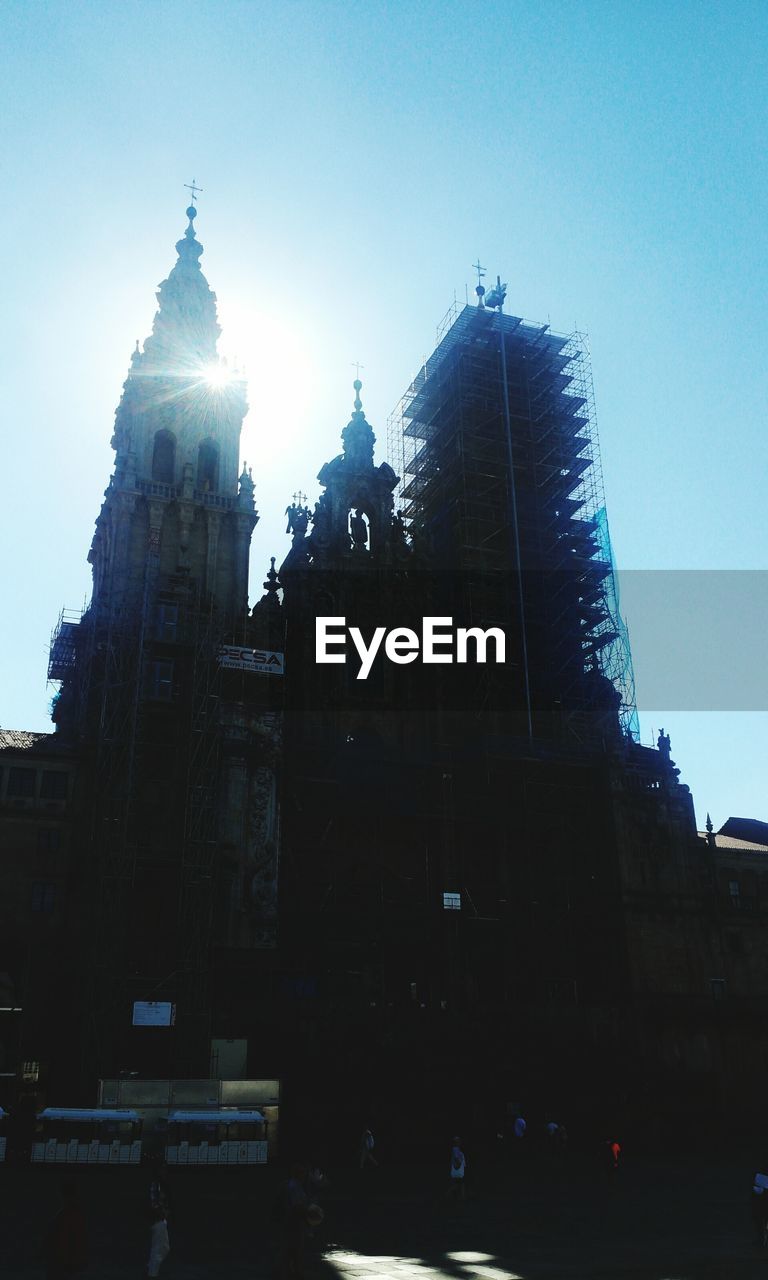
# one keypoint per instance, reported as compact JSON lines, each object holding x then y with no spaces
{"x":207,"y":466}
{"x":164,"y":457}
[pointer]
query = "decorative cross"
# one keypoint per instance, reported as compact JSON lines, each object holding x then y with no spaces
{"x":357,"y":367}
{"x":475,"y":266}
{"x":194,"y":189}
{"x":299,"y":498}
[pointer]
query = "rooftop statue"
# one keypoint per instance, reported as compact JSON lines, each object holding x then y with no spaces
{"x":298,"y":520}
{"x":359,"y":530}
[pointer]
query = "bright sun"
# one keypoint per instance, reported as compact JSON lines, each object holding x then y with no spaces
{"x":217,"y":375}
{"x":282,"y":364}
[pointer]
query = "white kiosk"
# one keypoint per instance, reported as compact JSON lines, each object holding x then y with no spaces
{"x":77,"y":1135}
{"x":204,"y":1138}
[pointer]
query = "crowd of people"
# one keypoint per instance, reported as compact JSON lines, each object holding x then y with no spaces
{"x":298,"y":1214}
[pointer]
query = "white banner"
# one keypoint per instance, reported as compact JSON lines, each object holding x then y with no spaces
{"x":264,"y":661}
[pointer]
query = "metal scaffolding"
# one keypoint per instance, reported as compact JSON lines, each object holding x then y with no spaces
{"x":530,"y":507}
{"x":138,"y":734}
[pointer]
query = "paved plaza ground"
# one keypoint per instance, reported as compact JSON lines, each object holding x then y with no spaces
{"x":657,"y":1220}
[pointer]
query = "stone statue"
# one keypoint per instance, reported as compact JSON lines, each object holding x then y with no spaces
{"x":298,"y":520}
{"x":664,"y":745}
{"x":246,"y":490}
{"x":321,"y":524}
{"x":359,"y":530}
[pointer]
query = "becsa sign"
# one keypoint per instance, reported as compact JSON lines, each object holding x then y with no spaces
{"x":263,"y":661}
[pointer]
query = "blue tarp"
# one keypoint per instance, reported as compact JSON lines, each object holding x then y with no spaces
{"x":215,"y":1117}
{"x":93,"y":1116}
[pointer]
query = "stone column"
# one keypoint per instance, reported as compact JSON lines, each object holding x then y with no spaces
{"x":213,"y":527}
{"x":187,"y":482}
{"x":234,"y":792}
{"x":118,"y":570}
{"x":156,"y":513}
{"x":186,"y":520}
{"x":244,"y":524}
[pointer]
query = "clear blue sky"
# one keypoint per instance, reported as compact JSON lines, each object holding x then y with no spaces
{"x":608,"y":159}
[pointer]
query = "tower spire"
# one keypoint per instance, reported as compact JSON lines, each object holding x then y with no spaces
{"x":193,"y":187}
{"x":357,"y":436}
{"x":182,"y":246}
{"x":177,"y":440}
{"x":480,"y":288}
{"x":185,"y":329}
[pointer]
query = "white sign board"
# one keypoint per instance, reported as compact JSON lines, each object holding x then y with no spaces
{"x":264,"y":661}
{"x":153,"y":1013}
{"x":452,"y":902}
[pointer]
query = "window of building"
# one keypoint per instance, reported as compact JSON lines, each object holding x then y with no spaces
{"x":30,"y":1072}
{"x":54,"y":785}
{"x":21,"y":782}
{"x":43,"y":896}
{"x":718,"y":988}
{"x":167,"y":621}
{"x":164,"y":457}
{"x":207,"y":466}
{"x":159,"y":680}
{"x":48,"y":839}
{"x":734,"y":892}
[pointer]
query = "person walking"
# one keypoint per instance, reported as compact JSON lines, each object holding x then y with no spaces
{"x":613,"y":1154}
{"x":66,"y":1248}
{"x":556,"y":1139}
{"x":457,"y":1171}
{"x":759,"y":1207}
{"x":519,"y":1143}
{"x":298,"y":1216}
{"x":159,"y":1243}
{"x":366,"y":1150}
{"x":316,"y":1182}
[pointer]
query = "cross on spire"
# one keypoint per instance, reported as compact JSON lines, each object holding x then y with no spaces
{"x":357,"y":367}
{"x":192,"y":186}
{"x":476,"y":267}
{"x":299,"y":498}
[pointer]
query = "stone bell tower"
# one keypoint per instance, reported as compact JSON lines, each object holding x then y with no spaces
{"x":141,"y":683}
{"x":174,"y":502}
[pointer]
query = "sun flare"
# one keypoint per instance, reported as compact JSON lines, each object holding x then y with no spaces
{"x":217,"y":375}
{"x":285,"y":368}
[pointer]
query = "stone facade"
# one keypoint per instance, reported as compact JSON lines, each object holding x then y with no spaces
{"x":177,"y":757}
{"x":433,"y":884}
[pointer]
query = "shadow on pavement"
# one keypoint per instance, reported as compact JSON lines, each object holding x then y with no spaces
{"x":657,"y":1220}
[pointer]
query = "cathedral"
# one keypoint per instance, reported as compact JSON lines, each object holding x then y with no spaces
{"x":411,"y":890}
